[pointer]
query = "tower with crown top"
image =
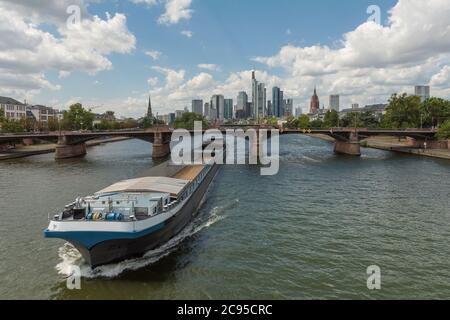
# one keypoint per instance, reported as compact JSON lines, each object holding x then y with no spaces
{"x":315,"y":104}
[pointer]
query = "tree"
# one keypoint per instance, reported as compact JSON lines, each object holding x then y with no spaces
{"x":188,"y":119}
{"x":31,"y":124}
{"x":352,"y":119}
{"x":78,"y":118}
{"x":444,"y":130}
{"x":271,"y":121}
{"x":403,"y":112}
{"x":369,"y":120}
{"x":129,"y":124}
{"x":316,"y":123}
{"x":103,"y":125}
{"x":12,"y":126}
{"x":303,"y":121}
{"x":53,"y":124}
{"x":291,"y":123}
{"x":148,"y":122}
{"x":331,"y":119}
{"x":434,"y":111}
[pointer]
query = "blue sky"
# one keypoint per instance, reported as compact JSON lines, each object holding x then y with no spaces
{"x":235,"y":36}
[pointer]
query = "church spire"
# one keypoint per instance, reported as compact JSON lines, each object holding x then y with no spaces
{"x":149,"y":109}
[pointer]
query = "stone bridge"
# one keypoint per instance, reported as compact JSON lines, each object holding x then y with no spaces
{"x":71,"y":144}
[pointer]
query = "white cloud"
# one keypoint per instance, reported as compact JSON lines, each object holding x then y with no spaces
{"x":187,"y":33}
{"x":209,"y":66}
{"x":442,"y":78}
{"x":147,"y":2}
{"x":54,"y":11}
{"x":28,"y":50}
{"x":174,"y":78}
{"x":373,"y":61}
{"x":155,"y":55}
{"x":176,"y":10}
{"x":152,"y":82}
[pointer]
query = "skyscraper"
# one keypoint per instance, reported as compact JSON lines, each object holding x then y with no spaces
{"x":242,"y":100}
{"x":254,"y":95}
{"x":197,"y":106}
{"x":228,"y":109}
{"x":249,"y":110}
{"x":334,"y":102}
{"x":207,"y":113}
{"x":423,"y":92}
{"x":315,"y":105}
{"x":218,"y":104}
{"x":171,"y":118}
{"x":258,"y":98}
{"x":288,"y":107}
{"x":277,"y":102}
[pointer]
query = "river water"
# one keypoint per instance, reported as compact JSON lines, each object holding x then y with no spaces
{"x":309,"y":232}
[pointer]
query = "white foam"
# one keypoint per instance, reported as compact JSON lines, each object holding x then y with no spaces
{"x":70,"y":256}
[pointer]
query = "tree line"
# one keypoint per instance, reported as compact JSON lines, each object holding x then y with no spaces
{"x":403,"y":111}
{"x":75,"y":119}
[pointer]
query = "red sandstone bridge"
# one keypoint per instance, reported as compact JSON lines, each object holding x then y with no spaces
{"x":71,"y":144}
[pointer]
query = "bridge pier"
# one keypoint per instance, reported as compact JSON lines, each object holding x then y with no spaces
{"x":27,"y":142}
{"x":161,"y":146}
{"x":65,"y":150}
{"x":351,"y":147}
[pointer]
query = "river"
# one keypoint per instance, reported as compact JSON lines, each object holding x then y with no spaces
{"x":309,"y":232}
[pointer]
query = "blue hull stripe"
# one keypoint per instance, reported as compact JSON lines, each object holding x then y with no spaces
{"x":91,"y":238}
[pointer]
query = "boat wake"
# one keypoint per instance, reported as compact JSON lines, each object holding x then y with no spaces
{"x":70,"y":257}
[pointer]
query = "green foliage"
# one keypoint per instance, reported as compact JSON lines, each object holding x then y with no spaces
{"x":444,"y":130}
{"x":129,"y":124}
{"x":146,"y":123}
{"x":291,"y":123}
{"x":364,"y":144}
{"x":331,"y":119}
{"x":12,"y":126}
{"x":369,"y":120}
{"x":434,"y":111}
{"x":77,"y":118}
{"x":271,"y":121}
{"x":188,"y":119}
{"x":105,"y":125}
{"x":316,"y":124}
{"x":53,"y":124}
{"x":303,"y":121}
{"x":402,"y":112}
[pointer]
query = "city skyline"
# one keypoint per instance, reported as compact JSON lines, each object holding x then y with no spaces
{"x":340,"y":55}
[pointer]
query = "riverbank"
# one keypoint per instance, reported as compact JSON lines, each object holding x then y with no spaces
{"x":394,"y":144}
{"x":37,"y":149}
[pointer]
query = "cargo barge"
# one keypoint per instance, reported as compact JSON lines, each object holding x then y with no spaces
{"x":131,"y":217}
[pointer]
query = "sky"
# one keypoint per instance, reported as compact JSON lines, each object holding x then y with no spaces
{"x":119,"y":52}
